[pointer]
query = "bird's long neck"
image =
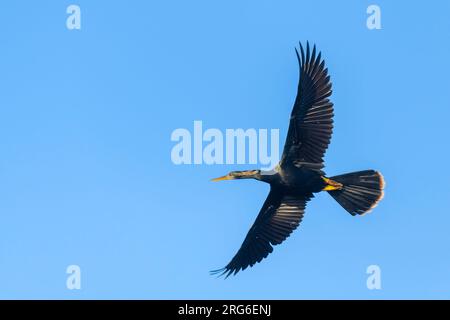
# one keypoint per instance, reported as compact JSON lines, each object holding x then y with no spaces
{"x":267,"y":176}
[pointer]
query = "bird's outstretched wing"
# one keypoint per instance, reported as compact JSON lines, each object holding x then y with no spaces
{"x":278,"y":217}
{"x":311,"y":123}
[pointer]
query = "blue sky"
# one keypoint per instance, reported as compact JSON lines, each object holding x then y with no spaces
{"x":86,"y":176}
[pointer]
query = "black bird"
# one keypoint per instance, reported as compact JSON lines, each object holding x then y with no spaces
{"x":299,"y":173}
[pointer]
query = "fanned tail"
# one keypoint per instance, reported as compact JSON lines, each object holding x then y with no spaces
{"x":360,"y":191}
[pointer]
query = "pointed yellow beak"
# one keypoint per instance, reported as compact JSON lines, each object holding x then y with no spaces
{"x":227,"y":177}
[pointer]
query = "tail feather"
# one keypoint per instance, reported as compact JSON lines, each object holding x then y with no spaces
{"x":361,"y":191}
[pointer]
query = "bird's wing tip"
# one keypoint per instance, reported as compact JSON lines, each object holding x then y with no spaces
{"x":221,"y":272}
{"x":218,"y":272}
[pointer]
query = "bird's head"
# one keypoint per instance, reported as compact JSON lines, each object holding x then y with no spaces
{"x":233,"y":175}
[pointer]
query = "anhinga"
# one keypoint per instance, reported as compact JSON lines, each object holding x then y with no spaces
{"x":299,"y":173}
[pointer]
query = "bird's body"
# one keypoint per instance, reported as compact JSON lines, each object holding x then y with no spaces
{"x":299,"y":174}
{"x":295,"y":180}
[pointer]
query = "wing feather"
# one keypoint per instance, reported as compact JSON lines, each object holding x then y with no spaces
{"x":279,"y":216}
{"x":311,"y":122}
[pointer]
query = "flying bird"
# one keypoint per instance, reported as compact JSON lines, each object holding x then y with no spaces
{"x":299,"y":173}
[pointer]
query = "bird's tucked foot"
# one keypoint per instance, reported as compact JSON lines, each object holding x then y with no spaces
{"x":331,"y":185}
